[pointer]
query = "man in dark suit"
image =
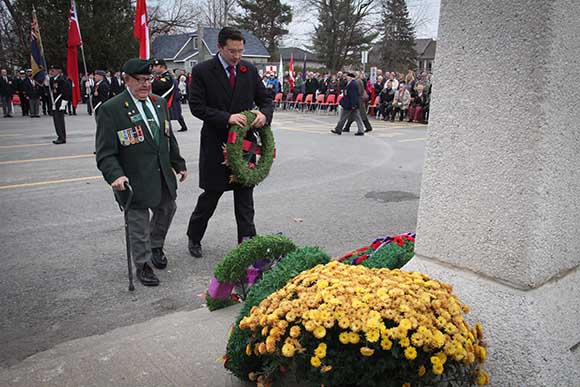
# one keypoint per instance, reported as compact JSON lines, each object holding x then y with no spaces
{"x":101,"y":90}
{"x":350,"y":107}
{"x":61,"y":93}
{"x":7,"y":89}
{"x":33,"y":91}
{"x":221,"y":88}
{"x":135,"y":144}
{"x":117,"y":85}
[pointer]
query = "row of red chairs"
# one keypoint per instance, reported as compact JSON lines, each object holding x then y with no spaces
{"x":300,"y":102}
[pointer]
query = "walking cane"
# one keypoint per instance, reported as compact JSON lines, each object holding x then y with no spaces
{"x":127,"y":240}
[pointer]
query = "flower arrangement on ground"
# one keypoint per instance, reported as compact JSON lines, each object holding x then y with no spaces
{"x":338,"y":324}
{"x":390,"y":252}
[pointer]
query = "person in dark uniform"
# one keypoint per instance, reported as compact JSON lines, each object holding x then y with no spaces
{"x":350,"y":107}
{"x":101,"y":90}
{"x":117,"y":85}
{"x":167,"y":87}
{"x":21,"y":91}
{"x":70,"y":108}
{"x":7,"y":89}
{"x":61,"y":93}
{"x":135,"y":145}
{"x":33,"y":92}
{"x":221,"y":88}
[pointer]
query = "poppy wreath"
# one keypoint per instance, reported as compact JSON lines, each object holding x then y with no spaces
{"x":245,"y":172}
{"x":242,"y":266}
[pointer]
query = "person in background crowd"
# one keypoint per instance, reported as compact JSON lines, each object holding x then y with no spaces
{"x":62,"y":94}
{"x":72,"y":110}
{"x":166,"y":86}
{"x":135,"y":145}
{"x":386,"y":98}
{"x":410,"y":81}
{"x":221,"y":89}
{"x":89,"y":87}
{"x":183,"y":88}
{"x":332,"y":87}
{"x":311,"y":85}
{"x":417,"y":107}
{"x":117,"y":84}
{"x":401,"y":102}
{"x":101,"y":91}
{"x":394,"y":80}
{"x":273,"y":83}
{"x":33,"y":92}
{"x":21,"y":91}
{"x":45,"y":97}
{"x":350,"y":107}
{"x":7,"y":89}
{"x":379,"y":85}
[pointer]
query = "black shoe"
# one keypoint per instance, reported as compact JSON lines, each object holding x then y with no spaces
{"x":57,"y":142}
{"x":368,"y":130}
{"x":335,"y":132}
{"x":147,"y":276}
{"x":182,"y":130}
{"x":359,"y":134}
{"x":347,"y":130}
{"x":158,"y":258}
{"x":195,"y":249}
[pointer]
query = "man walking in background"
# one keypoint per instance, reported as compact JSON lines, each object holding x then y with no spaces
{"x":350,"y":105}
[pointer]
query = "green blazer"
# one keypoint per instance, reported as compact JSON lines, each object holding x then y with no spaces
{"x":126,"y":148}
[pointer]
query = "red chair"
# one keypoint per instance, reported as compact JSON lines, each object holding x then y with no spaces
{"x":329,"y":101}
{"x":278,"y":99}
{"x":289,"y":100}
{"x":319,"y":101}
{"x":298,"y":101}
{"x":16,"y":99}
{"x":371,"y":108}
{"x":308,"y":101}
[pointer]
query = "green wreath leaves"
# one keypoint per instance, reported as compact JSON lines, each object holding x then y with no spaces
{"x":245,"y":173}
{"x":233,"y":267}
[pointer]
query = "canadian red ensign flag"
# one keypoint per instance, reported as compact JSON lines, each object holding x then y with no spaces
{"x":141,"y":30}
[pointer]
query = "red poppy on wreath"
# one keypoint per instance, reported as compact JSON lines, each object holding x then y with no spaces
{"x":243,"y":69}
{"x":398,"y":240}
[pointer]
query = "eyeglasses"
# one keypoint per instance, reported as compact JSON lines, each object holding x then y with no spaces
{"x":143,"y":80}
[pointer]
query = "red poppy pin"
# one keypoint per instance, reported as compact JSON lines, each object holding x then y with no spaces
{"x":243,"y":69}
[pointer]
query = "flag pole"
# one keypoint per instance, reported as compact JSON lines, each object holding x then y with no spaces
{"x":44,"y":60}
{"x":90,"y":101}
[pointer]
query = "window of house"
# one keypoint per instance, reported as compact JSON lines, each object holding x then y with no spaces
{"x":192,"y":63}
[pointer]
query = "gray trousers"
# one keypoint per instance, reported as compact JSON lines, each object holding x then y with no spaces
{"x":145,"y":232}
{"x":6,"y":104}
{"x":353,"y":115}
{"x":34,"y":107}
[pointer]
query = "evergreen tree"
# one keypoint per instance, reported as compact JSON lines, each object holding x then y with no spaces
{"x":342,"y":31}
{"x":266,"y":19}
{"x":397,"y":46}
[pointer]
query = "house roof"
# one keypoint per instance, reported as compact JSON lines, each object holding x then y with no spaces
{"x":421,"y":45}
{"x":166,"y":46}
{"x":170,"y":46}
{"x":297,"y":54}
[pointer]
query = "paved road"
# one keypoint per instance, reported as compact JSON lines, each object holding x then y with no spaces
{"x":62,"y":239}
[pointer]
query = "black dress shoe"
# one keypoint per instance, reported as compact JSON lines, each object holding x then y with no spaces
{"x":359,"y":134}
{"x":57,"y":142}
{"x":368,"y":130}
{"x":182,"y":130}
{"x":158,"y":258}
{"x":335,"y":132}
{"x":195,"y":249}
{"x":147,"y":276}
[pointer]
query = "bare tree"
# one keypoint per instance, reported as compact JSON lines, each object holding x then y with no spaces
{"x":218,"y":13}
{"x":169,"y":17}
{"x":420,"y":13}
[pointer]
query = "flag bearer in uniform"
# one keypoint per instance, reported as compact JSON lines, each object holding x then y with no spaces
{"x":167,"y":87}
{"x":61,"y":93}
{"x":135,"y":144}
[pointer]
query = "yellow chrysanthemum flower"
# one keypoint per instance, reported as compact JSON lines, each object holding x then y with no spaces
{"x":386,"y":344}
{"x":411,"y":353}
{"x":438,"y":369}
{"x":326,"y":368}
{"x":366,"y":351}
{"x":315,"y":361}
{"x":373,"y":335}
{"x":295,"y":331}
{"x":406,"y":385}
{"x":319,"y":332}
{"x":353,"y":338}
{"x":421,"y":371}
{"x":248,"y":349}
{"x":344,"y":338}
{"x":320,"y":351}
{"x":482,"y":378}
{"x":288,"y":350}
{"x":404,"y":342}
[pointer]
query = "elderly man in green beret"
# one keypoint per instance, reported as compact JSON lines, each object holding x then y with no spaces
{"x":135,"y":145}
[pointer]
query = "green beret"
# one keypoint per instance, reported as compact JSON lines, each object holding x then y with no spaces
{"x":136,"y":66}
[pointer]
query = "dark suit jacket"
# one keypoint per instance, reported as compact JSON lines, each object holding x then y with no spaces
{"x":143,"y":162}
{"x":103,"y":92}
{"x":212,"y":100}
{"x":7,"y":88}
{"x":351,"y":100}
{"x":61,"y":90}
{"x":117,"y":86}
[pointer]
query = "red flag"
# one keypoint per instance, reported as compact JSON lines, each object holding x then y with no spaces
{"x":141,"y":29}
{"x":72,"y":64}
{"x":291,"y":72}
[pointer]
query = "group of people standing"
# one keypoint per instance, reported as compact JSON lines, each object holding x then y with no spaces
{"x":32,"y":94}
{"x":136,"y":146}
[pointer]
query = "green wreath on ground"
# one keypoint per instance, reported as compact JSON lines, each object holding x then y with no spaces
{"x":244,"y":172}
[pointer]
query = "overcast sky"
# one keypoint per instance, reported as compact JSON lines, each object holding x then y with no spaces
{"x":302,"y":26}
